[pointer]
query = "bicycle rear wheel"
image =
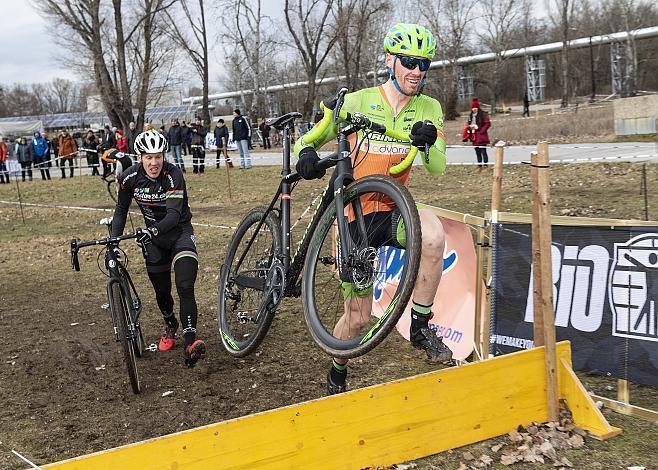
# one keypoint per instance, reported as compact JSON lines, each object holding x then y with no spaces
{"x":245,"y":307}
{"x":348,"y":317}
{"x":120,"y":315}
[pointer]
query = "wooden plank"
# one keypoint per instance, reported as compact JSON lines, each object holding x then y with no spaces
{"x":583,"y":409}
{"x":515,"y":217}
{"x":454,"y":215}
{"x":629,"y":409}
{"x":545,"y":247}
{"x":375,"y":426}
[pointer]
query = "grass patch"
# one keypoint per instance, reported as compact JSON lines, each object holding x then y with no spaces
{"x":43,"y":297}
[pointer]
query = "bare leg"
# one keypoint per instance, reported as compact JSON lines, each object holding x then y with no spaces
{"x":431,"y":258}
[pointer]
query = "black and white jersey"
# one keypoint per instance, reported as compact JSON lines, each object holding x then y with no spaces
{"x":163,"y":200}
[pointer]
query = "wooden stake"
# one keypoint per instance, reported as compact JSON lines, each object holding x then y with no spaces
{"x":623,"y":391}
{"x":486,"y":317}
{"x":495,"y":208}
{"x":479,"y":320}
{"x":228,"y":173}
{"x":538,"y":317}
{"x":20,"y":199}
{"x":497,"y":182}
{"x":546,"y":286}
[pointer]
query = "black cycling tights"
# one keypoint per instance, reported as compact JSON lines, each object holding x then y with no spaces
{"x":185,"y":269}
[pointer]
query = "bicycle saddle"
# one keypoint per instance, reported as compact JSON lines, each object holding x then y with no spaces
{"x":281,"y":121}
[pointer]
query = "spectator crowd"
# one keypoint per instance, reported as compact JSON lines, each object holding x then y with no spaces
{"x":41,"y":152}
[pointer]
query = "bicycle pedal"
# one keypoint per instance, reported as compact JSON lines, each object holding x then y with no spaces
{"x":152,"y":347}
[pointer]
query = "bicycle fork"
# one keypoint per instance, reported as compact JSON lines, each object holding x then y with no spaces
{"x":346,"y":245}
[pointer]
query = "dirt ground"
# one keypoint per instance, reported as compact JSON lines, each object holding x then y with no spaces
{"x":64,"y":389}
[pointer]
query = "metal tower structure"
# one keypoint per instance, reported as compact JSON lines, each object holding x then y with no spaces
{"x":535,"y":71}
{"x":465,"y":85}
{"x":622,"y":63}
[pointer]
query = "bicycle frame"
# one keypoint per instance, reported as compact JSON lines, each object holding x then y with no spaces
{"x":118,"y":275}
{"x":341,"y":177}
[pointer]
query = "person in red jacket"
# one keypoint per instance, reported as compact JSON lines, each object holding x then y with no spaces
{"x":479,"y":123}
{"x":3,"y":162}
{"x":122,"y":145}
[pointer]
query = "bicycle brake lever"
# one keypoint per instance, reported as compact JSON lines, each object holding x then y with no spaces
{"x":143,"y":247}
{"x":339,"y":100}
{"x":75,"y":264}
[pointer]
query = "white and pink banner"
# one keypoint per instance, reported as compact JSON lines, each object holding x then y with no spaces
{"x":454,"y":304}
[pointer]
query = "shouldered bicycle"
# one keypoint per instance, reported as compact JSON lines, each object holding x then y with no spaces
{"x":341,"y":258}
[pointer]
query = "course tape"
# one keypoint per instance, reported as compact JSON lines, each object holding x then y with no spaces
{"x":99,"y":209}
{"x":643,"y":158}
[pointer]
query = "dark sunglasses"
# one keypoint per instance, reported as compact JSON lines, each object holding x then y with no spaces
{"x":413,"y":62}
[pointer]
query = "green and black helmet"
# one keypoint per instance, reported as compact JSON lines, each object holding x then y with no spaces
{"x":410,"y":39}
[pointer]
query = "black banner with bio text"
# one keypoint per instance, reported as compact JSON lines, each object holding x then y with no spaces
{"x":605,"y":296}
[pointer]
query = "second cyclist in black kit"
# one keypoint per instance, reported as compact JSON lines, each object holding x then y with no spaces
{"x":159,"y":189}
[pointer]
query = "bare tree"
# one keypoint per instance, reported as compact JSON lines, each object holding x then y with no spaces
{"x":62,"y":96}
{"x":563,"y":22}
{"x":252,"y":32}
{"x":500,"y":23}
{"x":359,"y":37}
{"x":450,"y":20}
{"x":195,"y":44}
{"x":119,"y":48}
{"x":307,"y":22}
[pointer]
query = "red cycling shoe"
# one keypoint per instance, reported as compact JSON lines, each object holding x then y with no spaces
{"x":168,"y":338}
{"x":194,"y":352}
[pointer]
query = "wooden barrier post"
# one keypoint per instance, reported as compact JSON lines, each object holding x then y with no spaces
{"x":544,"y":288}
{"x":497,"y":182}
{"x":479,"y":339}
{"x":20,"y":198}
{"x":538,"y":315}
{"x":228,"y":174}
{"x":495,"y":208}
{"x":486,"y":317}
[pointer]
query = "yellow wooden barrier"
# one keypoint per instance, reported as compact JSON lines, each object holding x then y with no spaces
{"x":375,"y":426}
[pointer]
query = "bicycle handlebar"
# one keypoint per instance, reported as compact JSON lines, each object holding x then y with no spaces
{"x":75,"y":246}
{"x":333,"y":113}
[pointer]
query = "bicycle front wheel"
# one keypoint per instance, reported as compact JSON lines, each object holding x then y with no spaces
{"x":245,"y":309}
{"x":120,"y":315}
{"x":134,"y":306}
{"x":350,"y":314}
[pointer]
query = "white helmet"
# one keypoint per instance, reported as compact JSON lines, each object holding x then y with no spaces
{"x":151,"y":142}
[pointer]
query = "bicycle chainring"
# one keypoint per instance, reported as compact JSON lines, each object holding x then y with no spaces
{"x":275,"y":284}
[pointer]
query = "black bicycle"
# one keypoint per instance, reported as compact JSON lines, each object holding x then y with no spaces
{"x":355,"y":286}
{"x":124,"y":302}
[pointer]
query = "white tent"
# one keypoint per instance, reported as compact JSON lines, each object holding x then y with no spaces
{"x":20,"y":128}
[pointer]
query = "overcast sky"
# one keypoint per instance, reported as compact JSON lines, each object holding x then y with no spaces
{"x":29,"y":54}
{"x":27,"y":50}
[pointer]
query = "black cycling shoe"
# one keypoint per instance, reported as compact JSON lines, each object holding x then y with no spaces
{"x":433,"y":346}
{"x":334,"y":388}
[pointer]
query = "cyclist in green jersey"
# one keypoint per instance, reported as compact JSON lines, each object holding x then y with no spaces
{"x":399,"y":105}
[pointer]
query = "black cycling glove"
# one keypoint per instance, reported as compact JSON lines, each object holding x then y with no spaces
{"x":146,"y":235}
{"x":423,"y":133}
{"x":306,"y":165}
